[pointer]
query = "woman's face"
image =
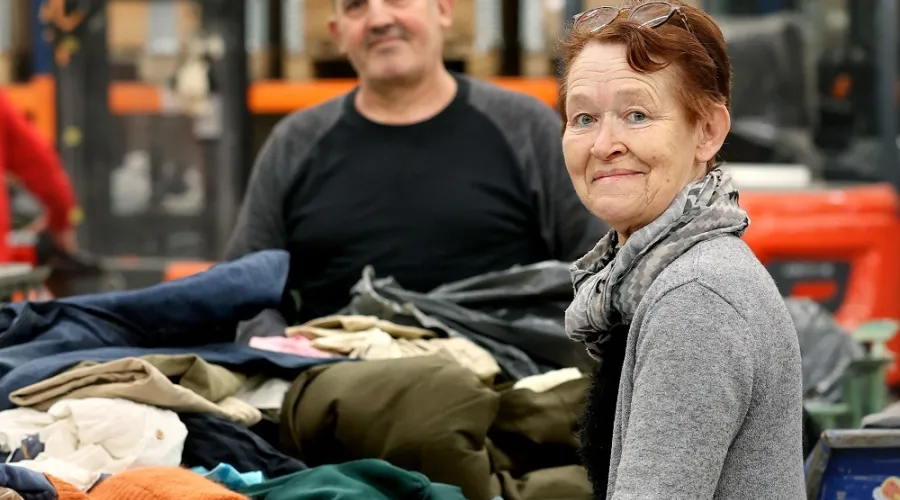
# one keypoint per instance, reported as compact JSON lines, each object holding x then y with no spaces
{"x":628,"y":145}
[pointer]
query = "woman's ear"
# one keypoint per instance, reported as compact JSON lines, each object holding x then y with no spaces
{"x":713,"y":129}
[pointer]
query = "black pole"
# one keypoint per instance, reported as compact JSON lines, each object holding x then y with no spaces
{"x":886,"y":63}
{"x":511,"y":61}
{"x":276,"y":45}
{"x":84,"y":121}
{"x":229,"y":163}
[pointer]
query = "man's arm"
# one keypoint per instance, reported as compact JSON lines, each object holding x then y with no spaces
{"x":260,"y":223}
{"x":33,"y":160}
{"x":569,"y":228}
{"x":693,"y":383}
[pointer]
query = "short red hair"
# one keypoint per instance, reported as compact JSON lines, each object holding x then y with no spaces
{"x":690,"y":41}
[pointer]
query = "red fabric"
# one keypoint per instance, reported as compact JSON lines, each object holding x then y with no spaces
{"x":28,"y":156}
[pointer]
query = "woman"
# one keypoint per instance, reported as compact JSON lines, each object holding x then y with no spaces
{"x":699,"y":392}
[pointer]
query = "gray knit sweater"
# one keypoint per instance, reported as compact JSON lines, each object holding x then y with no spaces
{"x":710,"y":399}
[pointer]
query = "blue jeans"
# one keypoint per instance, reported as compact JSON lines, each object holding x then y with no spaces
{"x":195,"y":311}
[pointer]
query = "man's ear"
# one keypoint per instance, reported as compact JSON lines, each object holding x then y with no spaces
{"x":445,"y":12}
{"x":713,"y":130}
{"x":336,"y":34}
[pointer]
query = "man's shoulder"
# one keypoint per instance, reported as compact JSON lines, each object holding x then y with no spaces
{"x":510,"y":106}
{"x":311,"y":122}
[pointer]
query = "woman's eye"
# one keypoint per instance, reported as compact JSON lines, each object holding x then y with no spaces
{"x":583,"y":120}
{"x":636,"y":117}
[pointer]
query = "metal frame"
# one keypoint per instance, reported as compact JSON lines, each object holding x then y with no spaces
{"x":86,"y":125}
{"x":886,"y":62}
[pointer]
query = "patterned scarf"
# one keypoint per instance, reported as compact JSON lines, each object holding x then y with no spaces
{"x":610,"y":281}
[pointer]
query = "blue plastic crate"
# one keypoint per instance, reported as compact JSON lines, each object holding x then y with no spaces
{"x":855,"y":465}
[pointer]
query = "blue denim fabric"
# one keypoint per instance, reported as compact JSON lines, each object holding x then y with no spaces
{"x":205,"y":306}
{"x":40,"y":339}
{"x":28,"y":484}
{"x":30,"y":448}
{"x":212,"y":440}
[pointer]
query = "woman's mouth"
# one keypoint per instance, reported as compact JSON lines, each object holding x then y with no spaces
{"x":615,"y":174}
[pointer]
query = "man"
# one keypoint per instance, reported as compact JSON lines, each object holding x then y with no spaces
{"x":28,"y":156}
{"x":429,"y":177}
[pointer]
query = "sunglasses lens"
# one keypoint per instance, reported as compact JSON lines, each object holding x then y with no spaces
{"x":652,"y":14}
{"x":596,"y":18}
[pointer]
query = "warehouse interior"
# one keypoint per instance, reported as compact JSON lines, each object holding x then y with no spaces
{"x":158,"y":110}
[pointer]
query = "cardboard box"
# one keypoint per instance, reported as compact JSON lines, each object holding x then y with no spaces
{"x":318,"y":41}
{"x":128,"y":24}
{"x":7,"y":62}
{"x":460,"y":38}
{"x":21,"y":24}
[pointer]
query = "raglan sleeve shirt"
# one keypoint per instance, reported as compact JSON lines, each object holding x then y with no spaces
{"x":32,"y":159}
{"x":692,"y":386}
{"x":260,"y":225}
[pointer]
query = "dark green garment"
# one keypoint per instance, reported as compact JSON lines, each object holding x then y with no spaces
{"x":558,"y":483}
{"x":534,"y":443}
{"x":426,"y":414}
{"x":364,"y":479}
{"x":539,"y":430}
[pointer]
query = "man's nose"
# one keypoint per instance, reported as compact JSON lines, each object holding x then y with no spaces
{"x":607,"y":145}
{"x":379,"y":14}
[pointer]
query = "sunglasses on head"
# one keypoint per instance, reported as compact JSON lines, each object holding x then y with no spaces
{"x":648,"y":15}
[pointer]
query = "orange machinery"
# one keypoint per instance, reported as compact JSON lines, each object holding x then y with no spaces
{"x":838,"y":246}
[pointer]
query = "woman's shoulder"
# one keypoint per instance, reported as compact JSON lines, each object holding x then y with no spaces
{"x":726,"y":267}
{"x":718,"y":292}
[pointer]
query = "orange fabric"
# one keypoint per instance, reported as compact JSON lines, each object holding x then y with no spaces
{"x":64,"y":490}
{"x":149,"y":483}
{"x":179,"y":270}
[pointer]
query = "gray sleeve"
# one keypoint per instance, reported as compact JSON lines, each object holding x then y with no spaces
{"x":569,"y":228}
{"x":261,"y":220}
{"x":534,"y":132}
{"x":692,"y":386}
{"x":260,"y":223}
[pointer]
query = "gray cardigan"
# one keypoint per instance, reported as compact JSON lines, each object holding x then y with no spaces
{"x":710,"y":399}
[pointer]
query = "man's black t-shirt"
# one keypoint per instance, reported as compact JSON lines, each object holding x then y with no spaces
{"x":479,"y":187}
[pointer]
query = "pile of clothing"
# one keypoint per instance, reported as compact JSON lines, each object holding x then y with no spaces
{"x":145,"y":394}
{"x":369,"y":479}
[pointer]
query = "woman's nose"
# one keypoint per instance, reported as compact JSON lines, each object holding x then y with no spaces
{"x":606,"y":146}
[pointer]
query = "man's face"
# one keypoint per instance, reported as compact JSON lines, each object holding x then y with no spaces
{"x":391,"y":40}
